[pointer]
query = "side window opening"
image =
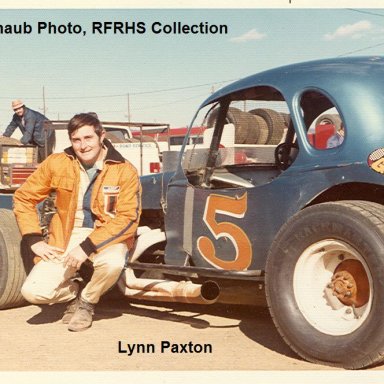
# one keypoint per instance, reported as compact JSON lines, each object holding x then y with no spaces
{"x":256,"y":122}
{"x":252,"y":130}
{"x":325,"y":128}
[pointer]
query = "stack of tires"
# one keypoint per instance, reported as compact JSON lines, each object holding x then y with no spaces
{"x":258,"y":126}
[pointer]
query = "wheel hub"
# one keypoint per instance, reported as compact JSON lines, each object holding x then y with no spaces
{"x":350,"y":283}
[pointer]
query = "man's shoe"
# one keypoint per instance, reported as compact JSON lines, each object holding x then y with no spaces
{"x":70,"y":311}
{"x":73,"y":304}
{"x":82,"y":318}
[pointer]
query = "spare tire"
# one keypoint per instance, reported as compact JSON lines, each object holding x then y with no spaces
{"x":243,"y":121}
{"x":287,"y":118}
{"x":275,"y":123}
{"x":255,"y":126}
{"x":12,"y":270}
{"x":263,"y":130}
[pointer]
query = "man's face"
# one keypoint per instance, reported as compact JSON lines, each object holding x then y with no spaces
{"x":19,"y":111}
{"x":87,"y":145}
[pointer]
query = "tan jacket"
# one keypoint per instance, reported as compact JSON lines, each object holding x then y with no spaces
{"x":115,"y":200}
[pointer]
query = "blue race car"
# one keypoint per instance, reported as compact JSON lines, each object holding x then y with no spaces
{"x":284,"y":199}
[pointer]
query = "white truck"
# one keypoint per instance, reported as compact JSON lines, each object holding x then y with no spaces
{"x":142,"y":151}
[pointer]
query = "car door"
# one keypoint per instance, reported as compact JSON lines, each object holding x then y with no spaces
{"x":216,"y":197}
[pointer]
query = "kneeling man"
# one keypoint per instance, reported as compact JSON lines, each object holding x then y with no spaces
{"x":98,"y":202}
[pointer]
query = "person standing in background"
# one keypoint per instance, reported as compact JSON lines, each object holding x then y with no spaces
{"x":31,"y":125}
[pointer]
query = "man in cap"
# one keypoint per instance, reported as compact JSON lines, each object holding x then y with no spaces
{"x":31,"y":124}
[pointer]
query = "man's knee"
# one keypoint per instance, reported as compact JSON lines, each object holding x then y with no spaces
{"x":34,"y":294}
{"x":114,"y":266}
{"x":112,"y":261}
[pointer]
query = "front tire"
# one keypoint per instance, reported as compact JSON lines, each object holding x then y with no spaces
{"x":325,"y":285}
{"x":12,"y":270}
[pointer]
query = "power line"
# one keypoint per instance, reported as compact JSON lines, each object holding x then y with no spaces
{"x":131,"y":93}
{"x":370,"y":46}
{"x":360,"y":50}
{"x":169,"y":103}
{"x":366,"y":12}
{"x":140,"y":108}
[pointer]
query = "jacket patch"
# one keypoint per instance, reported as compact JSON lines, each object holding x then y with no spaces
{"x":110,"y":193}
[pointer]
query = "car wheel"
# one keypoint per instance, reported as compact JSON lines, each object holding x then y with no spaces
{"x":12,"y":271}
{"x":325,"y":286}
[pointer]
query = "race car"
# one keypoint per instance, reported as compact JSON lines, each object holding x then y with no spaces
{"x":298,"y":223}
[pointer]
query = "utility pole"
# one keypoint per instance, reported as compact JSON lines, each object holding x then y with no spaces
{"x":128,"y":108}
{"x":45,"y":128}
{"x":43,"y":100}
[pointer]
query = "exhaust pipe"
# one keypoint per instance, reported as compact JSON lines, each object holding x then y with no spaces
{"x":167,"y":290}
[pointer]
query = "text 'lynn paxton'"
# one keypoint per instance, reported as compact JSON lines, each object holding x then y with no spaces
{"x":163,"y":347}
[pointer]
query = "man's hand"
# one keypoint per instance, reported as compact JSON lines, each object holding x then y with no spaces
{"x":75,"y":258}
{"x":46,"y":251}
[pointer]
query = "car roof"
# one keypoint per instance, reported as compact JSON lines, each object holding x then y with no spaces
{"x":355,"y":85}
{"x":327,"y":72}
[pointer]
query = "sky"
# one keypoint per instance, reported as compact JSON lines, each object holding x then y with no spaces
{"x":163,"y":78}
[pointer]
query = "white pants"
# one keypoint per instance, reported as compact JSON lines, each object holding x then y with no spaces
{"x":50,"y":281}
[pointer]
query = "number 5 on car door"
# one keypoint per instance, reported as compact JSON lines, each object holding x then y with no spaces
{"x":230,"y":206}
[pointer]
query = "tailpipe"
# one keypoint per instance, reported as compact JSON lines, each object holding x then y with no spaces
{"x":167,"y":290}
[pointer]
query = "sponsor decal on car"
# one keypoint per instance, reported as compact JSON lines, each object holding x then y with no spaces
{"x":376,"y":160}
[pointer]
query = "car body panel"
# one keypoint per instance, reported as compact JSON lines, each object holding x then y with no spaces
{"x":356,"y":87}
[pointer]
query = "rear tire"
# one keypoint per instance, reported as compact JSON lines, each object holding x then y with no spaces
{"x":12,"y":271}
{"x":325,"y":286}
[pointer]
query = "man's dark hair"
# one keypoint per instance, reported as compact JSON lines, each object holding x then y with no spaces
{"x":82,"y":119}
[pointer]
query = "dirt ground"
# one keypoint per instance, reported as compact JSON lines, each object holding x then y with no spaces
{"x":240,"y":338}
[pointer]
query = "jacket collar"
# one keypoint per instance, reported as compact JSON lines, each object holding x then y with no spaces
{"x":112,"y":154}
